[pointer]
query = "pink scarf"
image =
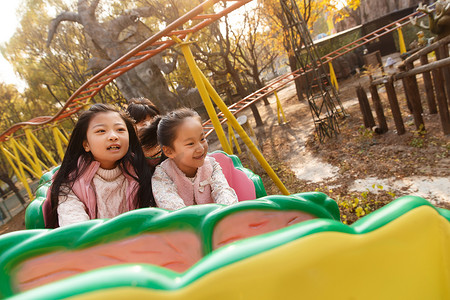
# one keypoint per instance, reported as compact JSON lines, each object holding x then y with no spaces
{"x":197,"y":192}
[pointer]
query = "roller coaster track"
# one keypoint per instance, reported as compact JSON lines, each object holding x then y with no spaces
{"x":191,"y":22}
{"x":283,"y":80}
{"x":372,"y":36}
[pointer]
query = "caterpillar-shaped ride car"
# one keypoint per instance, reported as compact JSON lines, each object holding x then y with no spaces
{"x":273,"y":247}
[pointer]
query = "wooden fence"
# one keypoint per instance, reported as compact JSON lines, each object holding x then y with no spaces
{"x":436,"y":80}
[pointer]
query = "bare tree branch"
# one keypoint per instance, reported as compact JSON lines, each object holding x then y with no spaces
{"x":166,"y":67}
{"x":93,"y":6}
{"x":206,"y":59}
{"x":130,"y":17}
{"x":65,"y":16}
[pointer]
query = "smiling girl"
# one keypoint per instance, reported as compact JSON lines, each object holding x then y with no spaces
{"x":103,"y":173}
{"x":189,"y":176}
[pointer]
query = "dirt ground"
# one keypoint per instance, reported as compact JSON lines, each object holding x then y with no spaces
{"x":16,"y":223}
{"x":354,"y":154}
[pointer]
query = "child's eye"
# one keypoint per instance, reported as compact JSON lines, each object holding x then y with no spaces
{"x":121,"y":129}
{"x":100,"y":131}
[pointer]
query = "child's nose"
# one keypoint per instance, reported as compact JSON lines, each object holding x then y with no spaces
{"x":113,"y":136}
{"x":200,"y":147}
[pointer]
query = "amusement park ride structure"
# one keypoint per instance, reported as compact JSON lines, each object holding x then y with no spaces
{"x":321,"y":95}
{"x":179,"y":32}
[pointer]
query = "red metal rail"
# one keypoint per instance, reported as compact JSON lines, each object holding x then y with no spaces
{"x":372,"y":36}
{"x":272,"y":86}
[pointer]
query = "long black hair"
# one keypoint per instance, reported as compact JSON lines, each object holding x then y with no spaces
{"x":163,"y":129}
{"x":70,"y":169}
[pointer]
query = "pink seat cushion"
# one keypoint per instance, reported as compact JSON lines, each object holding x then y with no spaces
{"x":242,"y":185}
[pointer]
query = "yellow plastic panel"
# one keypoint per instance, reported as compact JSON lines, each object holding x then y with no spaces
{"x":409,"y":258}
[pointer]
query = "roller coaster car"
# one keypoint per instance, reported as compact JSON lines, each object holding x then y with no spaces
{"x":275,"y":247}
{"x":284,"y":247}
{"x":248,"y":186}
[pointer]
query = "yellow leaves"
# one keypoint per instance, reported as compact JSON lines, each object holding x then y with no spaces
{"x":341,"y":9}
{"x":354,"y":4}
{"x":338,"y":5}
{"x":310,"y":11}
{"x":12,"y":105}
{"x":379,"y":186}
{"x":393,"y":195}
{"x":360,"y":211}
{"x":358,"y":205}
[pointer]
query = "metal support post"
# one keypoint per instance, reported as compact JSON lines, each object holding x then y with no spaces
{"x":207,"y":92}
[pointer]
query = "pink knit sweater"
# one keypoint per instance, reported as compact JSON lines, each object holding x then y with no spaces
{"x":110,"y":187}
{"x":81,"y":202}
{"x":196,"y":191}
{"x":173,"y":190}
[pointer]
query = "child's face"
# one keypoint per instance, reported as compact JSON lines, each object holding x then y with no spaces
{"x":189,"y":148}
{"x":107,"y":139}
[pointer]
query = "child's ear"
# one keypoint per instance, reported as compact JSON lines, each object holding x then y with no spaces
{"x":167,"y":151}
{"x":86,"y":146}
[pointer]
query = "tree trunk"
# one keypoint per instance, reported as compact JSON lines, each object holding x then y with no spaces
{"x":5,"y":178}
{"x":260,"y":85}
{"x":109,"y":40}
{"x":242,"y":91}
{"x":298,"y":80}
{"x":149,"y":83}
